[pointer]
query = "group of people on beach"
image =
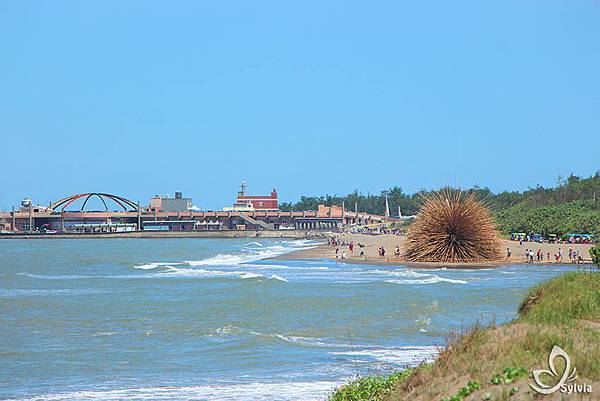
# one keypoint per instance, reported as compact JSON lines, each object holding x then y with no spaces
{"x":532,"y":256}
{"x":340,"y":252}
{"x":333,"y":241}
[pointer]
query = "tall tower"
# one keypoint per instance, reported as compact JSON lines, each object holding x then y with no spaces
{"x":387,"y":207}
{"x":243,"y":186}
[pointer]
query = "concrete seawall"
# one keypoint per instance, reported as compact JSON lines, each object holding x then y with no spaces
{"x":169,"y":234}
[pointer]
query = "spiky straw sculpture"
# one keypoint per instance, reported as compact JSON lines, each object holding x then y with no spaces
{"x":452,"y":227}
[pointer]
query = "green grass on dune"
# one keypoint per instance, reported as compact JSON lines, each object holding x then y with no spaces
{"x":369,"y":388}
{"x":565,"y":300}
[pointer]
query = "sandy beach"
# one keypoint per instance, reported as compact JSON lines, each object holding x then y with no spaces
{"x":390,"y":241}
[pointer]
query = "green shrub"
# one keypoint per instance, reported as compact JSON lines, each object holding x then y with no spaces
{"x":368,"y":388}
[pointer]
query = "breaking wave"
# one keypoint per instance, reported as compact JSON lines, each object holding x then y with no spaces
{"x":187,"y":272}
{"x":252,"y":391}
{"x":429,"y":280}
{"x":18,"y":293}
{"x":252,"y":252}
{"x":395,"y":355}
{"x":154,"y":265}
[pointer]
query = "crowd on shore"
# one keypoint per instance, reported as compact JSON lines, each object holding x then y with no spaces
{"x":341,"y":246}
{"x":355,"y":247}
{"x":575,"y":256}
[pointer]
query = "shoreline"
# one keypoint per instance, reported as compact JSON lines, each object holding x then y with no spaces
{"x":296,"y":234}
{"x":371,"y":243}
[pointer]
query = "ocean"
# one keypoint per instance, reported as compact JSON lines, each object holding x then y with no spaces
{"x":212,"y":319}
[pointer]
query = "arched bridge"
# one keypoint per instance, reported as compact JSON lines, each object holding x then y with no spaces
{"x":119,"y":200}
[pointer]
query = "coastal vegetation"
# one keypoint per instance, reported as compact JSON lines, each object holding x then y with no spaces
{"x":571,"y":206}
{"x":453,"y":227}
{"x":371,"y":388}
{"x":495,"y":362}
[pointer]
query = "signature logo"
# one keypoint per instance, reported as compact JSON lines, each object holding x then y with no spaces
{"x":568,"y":376}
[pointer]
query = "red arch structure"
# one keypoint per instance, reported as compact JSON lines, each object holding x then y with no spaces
{"x":119,"y":200}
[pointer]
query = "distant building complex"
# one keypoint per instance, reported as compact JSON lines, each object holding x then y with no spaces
{"x":167,"y":204}
{"x":246,"y":203}
{"x":173,"y":214}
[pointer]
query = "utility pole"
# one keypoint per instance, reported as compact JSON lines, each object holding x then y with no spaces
{"x":387,"y":207}
{"x":30,"y":217}
{"x":139,"y":217}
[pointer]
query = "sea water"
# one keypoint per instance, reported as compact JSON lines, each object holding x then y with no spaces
{"x":213,"y":319}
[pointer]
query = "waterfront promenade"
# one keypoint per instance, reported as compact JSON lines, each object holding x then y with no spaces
{"x":169,"y":234}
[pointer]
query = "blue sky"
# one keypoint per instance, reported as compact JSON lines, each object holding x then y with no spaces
{"x":144,"y":97}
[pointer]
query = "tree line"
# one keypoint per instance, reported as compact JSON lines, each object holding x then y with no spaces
{"x":572,"y":205}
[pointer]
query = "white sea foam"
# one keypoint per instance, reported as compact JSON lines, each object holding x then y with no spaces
{"x":251,"y":391}
{"x":251,"y":254}
{"x":168,"y":272}
{"x":188,"y":272}
{"x":402,"y":273}
{"x":250,"y":275}
{"x":395,"y":355}
{"x":230,"y":329}
{"x":429,"y":280}
{"x":82,"y":277}
{"x":221,"y":259}
{"x":310,"y":341}
{"x":413,"y":277}
{"x":59,"y":277}
{"x":154,"y":265}
{"x":105,"y":334}
{"x":18,"y":293}
{"x":287,"y":267}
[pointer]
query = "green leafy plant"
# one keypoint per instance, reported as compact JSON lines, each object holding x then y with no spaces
{"x":368,"y":388}
{"x":508,"y":376}
{"x":464,"y":391}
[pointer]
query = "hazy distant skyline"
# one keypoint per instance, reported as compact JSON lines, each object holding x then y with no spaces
{"x":144,"y":97}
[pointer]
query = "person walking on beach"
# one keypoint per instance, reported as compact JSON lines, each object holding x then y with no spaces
{"x":337,"y":253}
{"x":343,"y":255}
{"x":508,"y":253}
{"x":527,"y":255}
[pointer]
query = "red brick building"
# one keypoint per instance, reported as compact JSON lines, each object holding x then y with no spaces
{"x":265,"y":202}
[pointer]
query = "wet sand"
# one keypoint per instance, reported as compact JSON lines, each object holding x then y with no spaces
{"x":390,"y":241}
